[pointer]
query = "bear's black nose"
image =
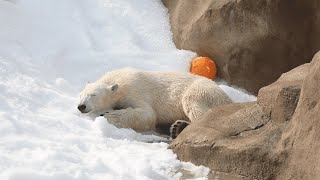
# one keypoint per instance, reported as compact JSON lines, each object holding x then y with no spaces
{"x":82,"y":107}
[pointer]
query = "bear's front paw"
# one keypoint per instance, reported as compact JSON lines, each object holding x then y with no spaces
{"x":116,"y":117}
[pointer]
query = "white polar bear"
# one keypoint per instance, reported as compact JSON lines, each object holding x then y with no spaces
{"x":131,"y":98}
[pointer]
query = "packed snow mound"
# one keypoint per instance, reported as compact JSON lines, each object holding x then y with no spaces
{"x":48,"y":51}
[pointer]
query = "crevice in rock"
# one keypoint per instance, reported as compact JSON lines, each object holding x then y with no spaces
{"x":247,"y":130}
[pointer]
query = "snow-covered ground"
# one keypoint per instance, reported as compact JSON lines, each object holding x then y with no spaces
{"x":48,"y":51}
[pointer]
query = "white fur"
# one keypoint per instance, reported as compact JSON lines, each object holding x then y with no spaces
{"x":150,"y":98}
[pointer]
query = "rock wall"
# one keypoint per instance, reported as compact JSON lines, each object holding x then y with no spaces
{"x":277,"y":137}
{"x":301,"y":140}
{"x":252,"y":41}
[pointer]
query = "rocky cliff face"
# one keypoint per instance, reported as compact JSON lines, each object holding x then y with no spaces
{"x":277,"y":137}
{"x":301,"y":139}
{"x":252,"y":41}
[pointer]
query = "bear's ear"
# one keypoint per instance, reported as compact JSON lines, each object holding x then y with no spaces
{"x":114,"y":87}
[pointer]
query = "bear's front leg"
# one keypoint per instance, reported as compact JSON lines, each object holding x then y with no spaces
{"x":139,"y":119}
{"x":114,"y":117}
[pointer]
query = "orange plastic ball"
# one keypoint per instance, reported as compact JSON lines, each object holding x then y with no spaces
{"x":204,"y":66}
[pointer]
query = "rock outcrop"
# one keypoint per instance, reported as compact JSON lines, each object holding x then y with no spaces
{"x":301,"y":140}
{"x":252,"y":41}
{"x":276,"y":137}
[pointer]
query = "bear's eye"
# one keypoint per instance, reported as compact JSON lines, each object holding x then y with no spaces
{"x":93,"y":95}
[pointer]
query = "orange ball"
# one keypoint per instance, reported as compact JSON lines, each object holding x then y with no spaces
{"x":204,"y":66}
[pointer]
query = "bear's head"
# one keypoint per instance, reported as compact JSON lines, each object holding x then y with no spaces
{"x":97,"y":97}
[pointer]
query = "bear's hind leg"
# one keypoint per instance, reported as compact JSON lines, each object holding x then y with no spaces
{"x":201,"y":96}
{"x":177,"y":127}
{"x":195,"y":106}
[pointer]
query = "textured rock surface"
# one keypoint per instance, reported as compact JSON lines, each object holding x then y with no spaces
{"x":280,"y":98}
{"x":277,"y":137}
{"x":228,"y":139}
{"x":252,"y":41}
{"x":301,"y":140}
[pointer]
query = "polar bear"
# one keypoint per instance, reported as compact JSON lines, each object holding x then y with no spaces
{"x":141,"y":100}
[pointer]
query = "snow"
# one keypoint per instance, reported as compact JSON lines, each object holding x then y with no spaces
{"x":48,"y":51}
{"x":235,"y":93}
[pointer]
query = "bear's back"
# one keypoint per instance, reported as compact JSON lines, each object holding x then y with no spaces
{"x":127,"y":76}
